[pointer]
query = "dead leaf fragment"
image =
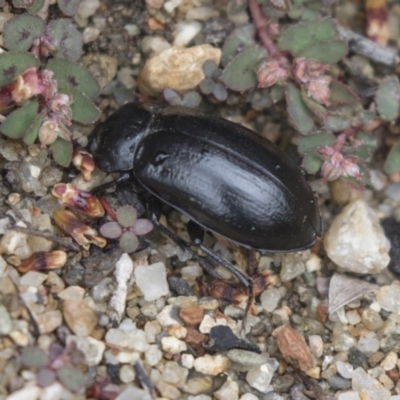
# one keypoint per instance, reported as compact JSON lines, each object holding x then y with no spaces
{"x":293,"y":347}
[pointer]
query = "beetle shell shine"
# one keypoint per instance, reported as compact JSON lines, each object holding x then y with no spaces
{"x":225,"y":177}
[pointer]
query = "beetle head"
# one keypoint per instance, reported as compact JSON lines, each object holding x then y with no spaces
{"x":113,"y":143}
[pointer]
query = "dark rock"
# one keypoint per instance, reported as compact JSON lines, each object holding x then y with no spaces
{"x":357,"y":358}
{"x":338,"y":383}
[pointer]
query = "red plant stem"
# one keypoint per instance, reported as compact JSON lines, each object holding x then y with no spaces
{"x":339,"y":142}
{"x":261,"y":23}
{"x":108,"y":208}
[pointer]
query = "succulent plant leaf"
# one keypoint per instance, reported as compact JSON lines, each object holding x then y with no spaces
{"x":299,"y":113}
{"x":62,"y":152}
{"x":328,"y":52}
{"x":20,"y":31}
{"x":342,"y":94}
{"x":32,"y":8}
{"x":128,"y":242}
{"x":71,"y":75}
{"x":298,"y":37}
{"x":15,"y":63}
{"x":126,"y":216}
{"x":18,"y":122}
{"x":241,"y":37}
{"x":240,"y":74}
{"x":392,"y":164}
{"x":83,"y":109}
{"x":33,"y":130}
{"x":315,"y":141}
{"x":318,"y":109}
{"x":68,"y":7}
{"x":387,"y":98}
{"x":312,"y":162}
{"x":66,"y":38}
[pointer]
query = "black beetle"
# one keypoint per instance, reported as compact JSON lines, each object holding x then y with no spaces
{"x":226,"y":178}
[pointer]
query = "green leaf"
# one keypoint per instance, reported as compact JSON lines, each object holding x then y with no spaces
{"x":342,"y":94}
{"x":72,"y":76}
{"x":277,"y":92}
{"x":240,"y":75}
{"x":315,"y":141}
{"x":83,"y":109}
{"x":329,"y":52}
{"x":33,"y":8}
{"x":319,"y":110}
{"x":66,"y":38}
{"x":20,"y":31}
{"x":392,"y":164}
{"x":13,"y":64}
{"x":72,"y":378}
{"x":300,"y":115}
{"x":126,"y":216}
{"x":62,"y":152}
{"x":33,"y":131}
{"x":304,"y":34}
{"x":68,"y":7}
{"x":387,"y":98}
{"x":19,"y":121}
{"x":312,"y":162}
{"x":241,"y":37}
{"x":34,"y":357}
{"x":336,"y":123}
{"x":128,"y":242}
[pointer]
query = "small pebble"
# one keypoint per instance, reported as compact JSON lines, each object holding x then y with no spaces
{"x":260,"y":377}
{"x":368,"y":387}
{"x":173,"y":345}
{"x":212,"y":365}
{"x":355,"y":240}
{"x":344,"y":369}
{"x":92,"y":349}
{"x":81,"y":318}
{"x":368,"y":343}
{"x":316,"y":345}
{"x":152,"y":280}
{"x":270,"y":299}
{"x":127,"y":374}
{"x":185,"y":31}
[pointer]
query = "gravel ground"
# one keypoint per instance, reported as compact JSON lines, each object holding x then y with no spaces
{"x":111,"y":326}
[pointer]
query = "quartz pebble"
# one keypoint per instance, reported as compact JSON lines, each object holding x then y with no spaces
{"x":368,"y":343}
{"x":292,"y":266}
{"x":229,"y":390}
{"x":349,"y":396}
{"x":49,"y":321}
{"x":212,"y":365}
{"x":316,"y":345}
{"x":356,"y":242}
{"x":368,"y":387}
{"x":132,"y":392}
{"x":180,"y":69}
{"x":270,"y":299}
{"x":344,"y":369}
{"x":173,"y":345}
{"x":93,"y":349}
{"x":5,"y":321}
{"x":260,"y":377}
{"x":152,"y":280}
{"x":123,"y":273}
{"x":80,"y":317}
{"x":153,"y":355}
{"x":185,"y":31}
{"x":389,"y":297}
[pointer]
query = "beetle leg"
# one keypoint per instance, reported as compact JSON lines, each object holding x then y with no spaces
{"x":154,"y":213}
{"x":122,"y":178}
{"x":196,"y":234}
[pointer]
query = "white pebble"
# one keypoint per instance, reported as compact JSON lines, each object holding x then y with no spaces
{"x":260,"y":377}
{"x":152,"y":280}
{"x":173,"y":345}
{"x":153,"y":355}
{"x":185,"y":31}
{"x":212,"y":365}
{"x":316,"y":345}
{"x":356,"y":241}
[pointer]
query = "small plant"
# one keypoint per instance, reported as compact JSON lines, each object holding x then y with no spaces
{"x":293,"y":63}
{"x":211,"y":83}
{"x":40,"y":76}
{"x":126,"y":228}
{"x":190,"y":99}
